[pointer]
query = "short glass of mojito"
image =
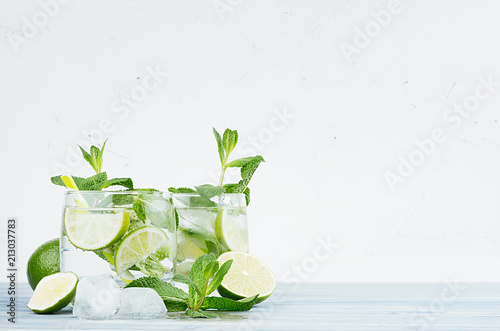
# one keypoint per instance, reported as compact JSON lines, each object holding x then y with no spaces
{"x":215,"y":225}
{"x":125,"y":233}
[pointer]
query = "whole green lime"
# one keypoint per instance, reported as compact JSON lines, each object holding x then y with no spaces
{"x":43,"y":262}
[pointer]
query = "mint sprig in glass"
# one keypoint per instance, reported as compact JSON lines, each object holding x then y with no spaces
{"x":128,"y":233}
{"x":213,"y":218}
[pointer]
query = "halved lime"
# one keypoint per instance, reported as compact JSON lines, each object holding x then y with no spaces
{"x":92,"y":230}
{"x":53,"y":293}
{"x":230,"y":233}
{"x":247,"y":277}
{"x":137,"y":246}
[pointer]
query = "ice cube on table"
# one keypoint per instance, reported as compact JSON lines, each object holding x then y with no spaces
{"x":97,"y":298}
{"x":141,"y":303}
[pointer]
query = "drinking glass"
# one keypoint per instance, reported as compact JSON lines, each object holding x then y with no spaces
{"x":215,"y":225}
{"x":87,"y":209}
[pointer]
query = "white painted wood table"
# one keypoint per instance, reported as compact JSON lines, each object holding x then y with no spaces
{"x":311,"y":306}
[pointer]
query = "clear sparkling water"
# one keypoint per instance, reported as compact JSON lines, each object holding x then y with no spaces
{"x":89,"y":263}
{"x":197,"y":230}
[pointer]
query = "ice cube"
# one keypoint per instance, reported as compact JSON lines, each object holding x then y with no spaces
{"x":97,"y":298}
{"x":198,"y":222}
{"x":141,"y":303}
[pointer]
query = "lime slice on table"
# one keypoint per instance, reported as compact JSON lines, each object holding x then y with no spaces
{"x":230,"y":234}
{"x":92,"y":231}
{"x":247,"y":277}
{"x":53,"y":293}
{"x":137,"y":246}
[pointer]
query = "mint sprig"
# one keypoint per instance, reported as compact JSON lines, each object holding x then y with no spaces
{"x":95,"y":156}
{"x":98,"y":181}
{"x":248,"y":165}
{"x":205,"y":277}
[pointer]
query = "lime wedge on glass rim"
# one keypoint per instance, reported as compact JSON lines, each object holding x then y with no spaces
{"x":248,"y":276}
{"x":53,"y":293}
{"x":137,"y":246}
{"x":92,"y":231}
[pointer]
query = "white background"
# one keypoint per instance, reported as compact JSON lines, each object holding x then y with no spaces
{"x":353,"y":121}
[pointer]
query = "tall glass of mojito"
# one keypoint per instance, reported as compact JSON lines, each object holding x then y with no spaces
{"x":215,"y":225}
{"x":125,"y":233}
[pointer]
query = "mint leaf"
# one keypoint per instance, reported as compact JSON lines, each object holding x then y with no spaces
{"x":93,"y":183}
{"x":230,"y":188}
{"x":220,"y":303}
{"x":219,"y":146}
{"x":246,"y":192}
{"x":101,"y":152}
{"x":151,"y":267}
{"x":87,"y":157}
{"x":244,"y":160}
{"x":57,"y":180}
{"x":94,"y":158}
{"x":156,"y":212}
{"x":215,"y":247}
{"x":139,"y":209}
{"x":247,"y":172}
{"x":94,"y":153}
{"x":174,"y":304}
{"x":229,"y":141}
{"x":78,"y":181}
{"x":161,"y":287}
{"x":122,"y":199}
{"x":219,"y":276}
{"x":174,"y":298}
{"x":198,"y":276}
{"x":202,"y":202}
{"x":208,"y":191}
{"x":181,"y":190}
{"x":210,"y":269}
{"x":198,"y":269}
{"x":233,"y":188}
{"x":176,"y":218}
{"x":125,"y":182}
{"x":153,"y":206}
{"x":200,"y":314}
{"x":186,"y":280}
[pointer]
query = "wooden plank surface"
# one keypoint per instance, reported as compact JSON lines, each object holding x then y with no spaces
{"x":311,"y":306}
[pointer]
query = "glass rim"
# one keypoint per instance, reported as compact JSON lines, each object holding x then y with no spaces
{"x":197,"y":195}
{"x":113,"y":192}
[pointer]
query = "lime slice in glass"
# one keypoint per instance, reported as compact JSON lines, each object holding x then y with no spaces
{"x":91,"y":231}
{"x":230,"y":234}
{"x":188,"y":247}
{"x":53,"y":293}
{"x":137,"y":246}
{"x":247,"y":277}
